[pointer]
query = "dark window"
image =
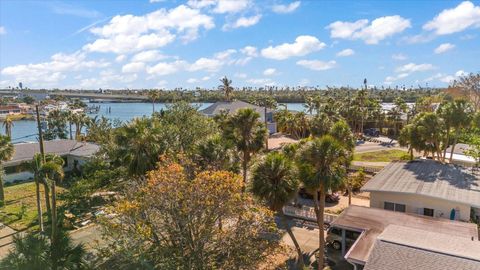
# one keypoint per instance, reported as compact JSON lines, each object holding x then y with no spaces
{"x":400,"y":207}
{"x":389,"y":206}
{"x":428,"y":212}
{"x":336,"y":231}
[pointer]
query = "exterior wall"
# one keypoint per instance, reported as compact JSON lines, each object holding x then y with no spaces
{"x":416,"y":203}
{"x":26,"y":175}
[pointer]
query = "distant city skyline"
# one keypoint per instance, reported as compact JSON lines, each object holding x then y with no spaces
{"x":168,"y":44}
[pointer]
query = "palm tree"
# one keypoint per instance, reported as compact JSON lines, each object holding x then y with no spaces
{"x":69,"y":116}
{"x":342,"y":132}
{"x":275,"y":182}
{"x":35,"y":252}
{"x":34,"y":166}
{"x":226,"y":87}
{"x":137,"y":145}
{"x":53,"y":171}
{"x":80,"y":120}
{"x":6,"y":153}
{"x":153,"y":95}
{"x":456,"y":115}
{"x":321,"y":167}
{"x":29,"y":253}
{"x":247,"y":133}
{"x":8,"y":124}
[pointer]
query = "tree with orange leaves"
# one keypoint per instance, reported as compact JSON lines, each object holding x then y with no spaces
{"x":172,"y":221}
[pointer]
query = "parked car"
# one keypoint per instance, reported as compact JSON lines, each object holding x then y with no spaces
{"x":329,"y":198}
{"x":334,"y":237}
{"x":374,"y":132}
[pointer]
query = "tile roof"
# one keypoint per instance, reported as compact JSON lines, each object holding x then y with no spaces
{"x":26,"y":151}
{"x":400,"y":247}
{"x":373,"y":221}
{"x":428,"y":178}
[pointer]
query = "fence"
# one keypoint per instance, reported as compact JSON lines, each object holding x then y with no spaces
{"x":307,"y":213}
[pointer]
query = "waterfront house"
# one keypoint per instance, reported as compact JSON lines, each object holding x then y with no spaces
{"x":233,"y":106}
{"x":426,"y":187}
{"x":388,"y":240}
{"x":74,"y":153}
{"x":10,"y":109}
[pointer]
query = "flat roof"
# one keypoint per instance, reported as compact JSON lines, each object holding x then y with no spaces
{"x":25,"y":151}
{"x":428,"y":178}
{"x":400,"y":247}
{"x":373,"y":221}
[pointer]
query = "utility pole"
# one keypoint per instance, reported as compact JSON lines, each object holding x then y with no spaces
{"x":37,"y":184}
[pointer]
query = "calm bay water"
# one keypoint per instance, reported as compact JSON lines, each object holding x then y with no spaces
{"x":27,"y":130}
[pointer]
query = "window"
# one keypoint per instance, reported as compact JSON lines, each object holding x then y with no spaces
{"x":428,"y":212}
{"x":400,"y":207}
{"x":389,"y":206}
{"x":397,"y":207}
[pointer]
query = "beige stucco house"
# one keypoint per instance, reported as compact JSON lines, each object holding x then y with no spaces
{"x":426,"y":187}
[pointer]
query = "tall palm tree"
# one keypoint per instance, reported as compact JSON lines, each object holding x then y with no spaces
{"x":247,"y":133}
{"x":34,"y":166}
{"x":6,"y":153}
{"x":80,"y":120}
{"x":8,"y":124}
{"x":227,"y":88}
{"x":342,"y":132}
{"x":456,"y":115}
{"x":53,"y":171}
{"x":275,"y":182}
{"x":321,"y":167}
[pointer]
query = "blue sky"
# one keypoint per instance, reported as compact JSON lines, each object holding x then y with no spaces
{"x":164,"y":44}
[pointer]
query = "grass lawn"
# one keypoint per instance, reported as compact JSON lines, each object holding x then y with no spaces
{"x":20,"y":195}
{"x":380,"y":156}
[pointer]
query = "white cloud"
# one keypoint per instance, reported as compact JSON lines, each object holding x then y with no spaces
{"x":390,"y":79}
{"x":201,"y":3}
{"x":52,"y":71}
{"x":240,"y":75}
{"x":303,"y":45}
{"x":133,"y":67}
{"x":443,"y":48}
{"x":120,"y":58}
{"x":207,"y":64}
{"x":420,"y":38}
{"x":231,"y":6}
{"x":269,"y":72}
{"x":148,"y":56}
{"x":130,"y":33}
{"x":304,"y":82}
{"x":286,"y":8}
{"x":317,"y":64}
{"x":457,"y":19}
{"x":107,"y":79}
{"x":262,"y":81}
{"x":3,"y":31}
{"x":225,"y":55}
{"x":461,"y":73}
{"x":399,"y":57}
{"x":372,"y":33}
{"x":156,"y":1}
{"x":346,"y":52}
{"x":250,"y":51}
{"x":243,"y":22}
{"x":130,"y":43}
{"x":165,"y":68}
{"x":412,"y":67}
{"x":192,"y":80}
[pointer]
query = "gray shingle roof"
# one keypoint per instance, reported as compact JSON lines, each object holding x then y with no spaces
{"x":373,"y":221}
{"x":400,"y":247}
{"x":232,"y":107}
{"x":26,"y":151}
{"x":428,"y":178}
